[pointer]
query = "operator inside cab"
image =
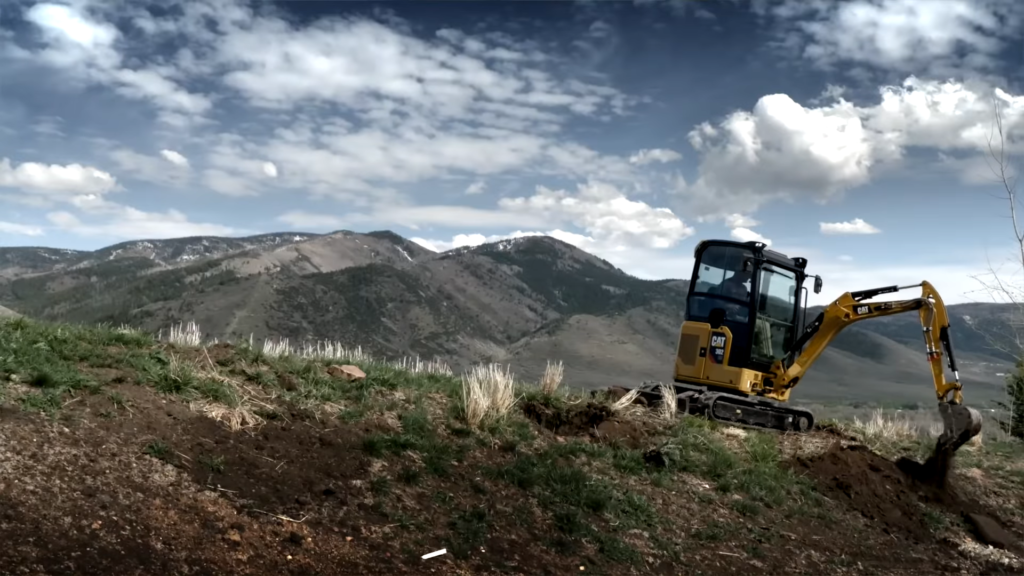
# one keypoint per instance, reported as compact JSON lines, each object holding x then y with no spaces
{"x":736,"y":286}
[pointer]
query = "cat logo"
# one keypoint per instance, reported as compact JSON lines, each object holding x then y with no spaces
{"x":862,"y":309}
{"x":718,"y":341}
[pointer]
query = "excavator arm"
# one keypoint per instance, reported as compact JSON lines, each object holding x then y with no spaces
{"x":960,"y":422}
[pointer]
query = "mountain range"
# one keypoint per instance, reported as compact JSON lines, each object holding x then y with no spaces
{"x":522,"y":302}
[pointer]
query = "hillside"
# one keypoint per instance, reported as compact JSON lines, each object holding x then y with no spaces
{"x":121,"y":454}
{"x":523,"y":302}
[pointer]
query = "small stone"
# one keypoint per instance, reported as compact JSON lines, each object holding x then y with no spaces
{"x":348,"y":372}
{"x":233,"y":536}
{"x":990,"y":532}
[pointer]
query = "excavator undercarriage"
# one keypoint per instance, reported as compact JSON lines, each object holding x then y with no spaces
{"x":745,"y":342}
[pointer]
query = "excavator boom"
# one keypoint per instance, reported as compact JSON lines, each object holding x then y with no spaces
{"x":960,"y":423}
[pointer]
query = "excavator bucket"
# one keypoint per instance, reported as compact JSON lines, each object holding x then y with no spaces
{"x":959,"y":425}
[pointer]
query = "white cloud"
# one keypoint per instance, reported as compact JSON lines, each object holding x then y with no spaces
{"x":855,"y":226}
{"x":739,"y":221}
{"x":941,"y":38}
{"x":476,"y":187}
{"x":606,"y":213}
{"x":229,"y":184}
{"x":348,"y":108}
{"x":661,"y":155}
{"x":112,"y":220}
{"x":175,"y":158}
{"x":20,"y":229}
{"x":652,"y":264}
{"x":747,"y":235}
{"x":160,"y":169}
{"x":86,"y":47}
{"x":846,"y":258}
{"x":55,"y":179}
{"x":784,"y":150}
{"x":469,"y":240}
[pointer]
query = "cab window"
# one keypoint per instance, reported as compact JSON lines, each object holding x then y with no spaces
{"x":776,"y":306}
{"x":717,"y":265}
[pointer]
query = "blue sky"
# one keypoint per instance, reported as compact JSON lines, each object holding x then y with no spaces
{"x":853,"y":133}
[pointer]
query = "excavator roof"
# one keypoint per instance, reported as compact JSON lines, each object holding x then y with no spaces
{"x":759,"y":249}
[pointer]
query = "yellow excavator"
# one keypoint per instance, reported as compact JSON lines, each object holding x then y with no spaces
{"x":745,"y":344}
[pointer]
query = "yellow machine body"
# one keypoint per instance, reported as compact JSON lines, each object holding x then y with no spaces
{"x":745,"y":343}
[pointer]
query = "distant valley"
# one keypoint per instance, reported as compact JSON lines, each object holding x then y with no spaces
{"x":521,"y":302}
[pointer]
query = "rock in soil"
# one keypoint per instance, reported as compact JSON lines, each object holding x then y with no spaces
{"x":991,"y":532}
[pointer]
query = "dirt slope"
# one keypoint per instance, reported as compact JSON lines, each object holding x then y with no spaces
{"x":121,"y":455}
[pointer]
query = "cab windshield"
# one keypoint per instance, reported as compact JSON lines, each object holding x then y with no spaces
{"x":723,"y":282}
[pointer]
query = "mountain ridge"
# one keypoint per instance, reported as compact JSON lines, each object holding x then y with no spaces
{"x":521,"y":301}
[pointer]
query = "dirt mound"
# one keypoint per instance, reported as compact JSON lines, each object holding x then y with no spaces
{"x":897,"y":495}
{"x":593,"y":420}
{"x":571,"y":420}
{"x":874,"y":486}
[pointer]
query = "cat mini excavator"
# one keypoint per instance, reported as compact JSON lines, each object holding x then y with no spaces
{"x":745,"y":344}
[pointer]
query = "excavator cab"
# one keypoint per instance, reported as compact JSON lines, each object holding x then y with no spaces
{"x":749,"y":297}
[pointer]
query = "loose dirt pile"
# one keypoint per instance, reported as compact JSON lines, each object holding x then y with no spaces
{"x":593,"y":420}
{"x":900,"y":496}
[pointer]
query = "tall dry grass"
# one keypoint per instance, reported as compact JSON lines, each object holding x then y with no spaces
{"x":488,"y":392}
{"x":669,"y":406}
{"x":189,"y":334}
{"x":184,"y":334}
{"x":552,"y":377}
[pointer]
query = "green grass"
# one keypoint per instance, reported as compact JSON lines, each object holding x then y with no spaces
{"x":50,"y":358}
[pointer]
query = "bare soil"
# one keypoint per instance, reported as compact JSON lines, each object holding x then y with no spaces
{"x":151,"y":487}
{"x":898,"y":495}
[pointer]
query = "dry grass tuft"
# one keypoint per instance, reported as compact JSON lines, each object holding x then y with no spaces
{"x":552,"y":377}
{"x":669,"y":404}
{"x":626,"y":401}
{"x":892,"y":428}
{"x":184,"y":334}
{"x":487,"y":391}
{"x":417,"y":366}
{"x":234,"y":417}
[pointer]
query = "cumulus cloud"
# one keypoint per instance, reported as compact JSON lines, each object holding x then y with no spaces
{"x":784,"y":150}
{"x":415,"y":107}
{"x":739,"y":221}
{"x":747,"y":235}
{"x":855,"y":226}
{"x":640,"y":262}
{"x":175,"y":158}
{"x":661,"y":155}
{"x":54,"y":179}
{"x":938,"y":38}
{"x":603,"y":211}
{"x":476,"y":187}
{"x":84,"y":45}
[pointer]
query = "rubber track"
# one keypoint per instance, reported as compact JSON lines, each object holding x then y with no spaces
{"x":779,"y":412}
